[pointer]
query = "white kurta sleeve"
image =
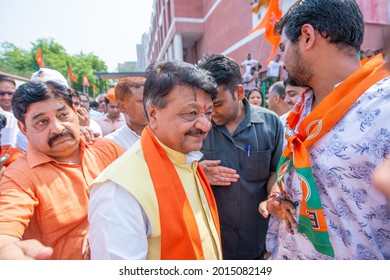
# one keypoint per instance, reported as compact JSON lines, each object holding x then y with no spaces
{"x":119,"y":226}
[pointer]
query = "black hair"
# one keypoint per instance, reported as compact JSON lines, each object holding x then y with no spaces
{"x":36,"y":91}
{"x":8,"y":79}
{"x":162,"y":77}
{"x":224,"y":70}
{"x":94,"y":104}
{"x":279,"y":89}
{"x":339,"y":21}
{"x":290,"y":82}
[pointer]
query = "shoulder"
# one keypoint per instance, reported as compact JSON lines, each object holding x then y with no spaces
{"x":107,"y":146}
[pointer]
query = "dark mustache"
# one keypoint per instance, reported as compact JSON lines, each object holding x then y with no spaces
{"x":195,"y":131}
{"x":62,"y":134}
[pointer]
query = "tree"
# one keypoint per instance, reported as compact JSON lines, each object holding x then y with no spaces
{"x":22,"y":62}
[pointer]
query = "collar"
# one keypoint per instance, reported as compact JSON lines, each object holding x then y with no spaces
{"x":35,"y":157}
{"x":132,"y":131}
{"x":180,"y":158}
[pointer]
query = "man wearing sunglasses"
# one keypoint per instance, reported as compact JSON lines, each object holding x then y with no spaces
{"x":7,"y":90}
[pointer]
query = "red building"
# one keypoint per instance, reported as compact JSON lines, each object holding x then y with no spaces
{"x":186,"y":29}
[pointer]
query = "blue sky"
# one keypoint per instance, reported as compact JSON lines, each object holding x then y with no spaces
{"x":109,"y":29}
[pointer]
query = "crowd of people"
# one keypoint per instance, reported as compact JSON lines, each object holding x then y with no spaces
{"x":193,"y":162}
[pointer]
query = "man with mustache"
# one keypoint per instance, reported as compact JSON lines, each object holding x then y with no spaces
{"x":44,"y":193}
{"x":155,"y":202}
{"x":248,"y":140}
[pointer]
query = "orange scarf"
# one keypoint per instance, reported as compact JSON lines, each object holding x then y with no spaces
{"x":320,"y":121}
{"x":180,"y":237}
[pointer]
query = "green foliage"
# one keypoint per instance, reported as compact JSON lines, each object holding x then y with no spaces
{"x":21,"y":62}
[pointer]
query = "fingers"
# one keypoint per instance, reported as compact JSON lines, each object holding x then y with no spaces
{"x":212,"y":163}
{"x":87,"y":134}
{"x":263,"y":209}
{"x":34,"y":249}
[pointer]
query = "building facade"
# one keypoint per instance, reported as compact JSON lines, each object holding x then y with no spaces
{"x":187,"y":29}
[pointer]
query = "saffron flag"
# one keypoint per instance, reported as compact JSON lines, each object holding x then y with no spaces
{"x":273,"y":14}
{"x":39,"y":58}
{"x":85,"y":81}
{"x":256,"y":7}
{"x":94,"y":88}
{"x":71,"y":76}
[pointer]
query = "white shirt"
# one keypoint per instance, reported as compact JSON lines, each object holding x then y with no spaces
{"x":95,"y":126}
{"x":10,"y":131}
{"x":249,"y":77}
{"x":124,"y":136}
{"x":95,"y":114}
{"x":274,"y":69}
{"x":125,"y":218}
{"x":248,"y":64}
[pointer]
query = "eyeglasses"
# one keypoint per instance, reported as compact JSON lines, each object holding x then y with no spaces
{"x":7,"y":92}
{"x":192,"y":116}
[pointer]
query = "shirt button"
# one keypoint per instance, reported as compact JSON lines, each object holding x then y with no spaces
{"x":236,"y":204}
{"x":285,"y":257}
{"x":235,"y":230}
{"x":296,"y":203}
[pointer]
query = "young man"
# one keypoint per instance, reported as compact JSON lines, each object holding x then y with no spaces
{"x":274,"y":69}
{"x":337,"y":134}
{"x":247,"y":139}
{"x":155,"y":201}
{"x":44,"y":193}
{"x":114,"y":119}
{"x":129,"y":93}
{"x":248,"y":64}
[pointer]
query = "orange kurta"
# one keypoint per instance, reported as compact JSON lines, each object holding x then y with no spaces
{"x":48,"y":200}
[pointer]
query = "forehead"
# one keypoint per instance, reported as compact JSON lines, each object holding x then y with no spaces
{"x":255,"y":93}
{"x":48,"y":106}
{"x":83,"y":98}
{"x":292,"y":89}
{"x":6,"y":85}
{"x":182,"y":95}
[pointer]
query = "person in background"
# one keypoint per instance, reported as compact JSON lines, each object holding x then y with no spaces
{"x":113,"y":119}
{"x":247,"y":140}
{"x":82,"y":113}
{"x":129,"y":93}
{"x":44,"y":193}
{"x":275,"y":99}
{"x":274,"y":70}
{"x":293,"y":92}
{"x":11,"y":130}
{"x":336,"y":134}
{"x":102,"y":103}
{"x":7,"y":90}
{"x":155,"y":202}
{"x":248,"y":64}
{"x":255,"y":97}
{"x":249,"y":80}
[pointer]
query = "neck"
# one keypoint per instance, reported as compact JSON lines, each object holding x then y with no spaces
{"x":71,"y":158}
{"x":281,"y":109}
{"x":136,"y":128}
{"x":112,"y":118}
{"x":334,"y":73}
{"x":7,"y":109}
